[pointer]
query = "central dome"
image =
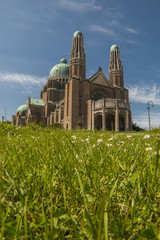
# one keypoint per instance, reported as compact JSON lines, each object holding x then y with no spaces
{"x":60,"y":70}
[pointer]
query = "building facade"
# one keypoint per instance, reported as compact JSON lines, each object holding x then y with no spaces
{"x":73,"y":101}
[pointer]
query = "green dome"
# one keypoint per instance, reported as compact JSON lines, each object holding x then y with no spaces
{"x":63,"y":60}
{"x":78,"y":33}
{"x":22,"y":108}
{"x":61,"y":69}
{"x":114,"y":47}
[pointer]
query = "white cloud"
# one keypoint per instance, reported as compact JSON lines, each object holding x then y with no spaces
{"x":15,"y":79}
{"x":143,"y":121}
{"x":98,"y":28}
{"x":131,"y":30}
{"x":80,"y":5}
{"x":145,"y":93}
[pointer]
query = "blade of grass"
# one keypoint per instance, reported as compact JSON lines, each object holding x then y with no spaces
{"x":87,"y":215}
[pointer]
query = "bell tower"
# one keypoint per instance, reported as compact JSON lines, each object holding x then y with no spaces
{"x":116,"y":67}
{"x":77,"y":64}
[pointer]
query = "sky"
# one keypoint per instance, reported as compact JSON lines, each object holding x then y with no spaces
{"x":36,"y":35}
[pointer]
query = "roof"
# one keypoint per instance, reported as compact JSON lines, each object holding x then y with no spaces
{"x":60,"y":70}
{"x":114,"y":47}
{"x":37,"y":102}
{"x":100,"y":78}
{"x":22,"y":108}
{"x":77,"y":33}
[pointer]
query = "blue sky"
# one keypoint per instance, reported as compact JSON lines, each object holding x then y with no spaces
{"x":35,"y":35}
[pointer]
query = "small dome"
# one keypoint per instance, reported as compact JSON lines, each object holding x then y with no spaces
{"x":61,"y":69}
{"x":22,"y":108}
{"x":114,"y":47}
{"x":77,"y":33}
{"x":63,"y":60}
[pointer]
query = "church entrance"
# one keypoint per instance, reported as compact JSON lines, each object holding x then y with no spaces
{"x":110,"y":122}
{"x":38,"y":117}
{"x":121,"y":124}
{"x":98,"y":122}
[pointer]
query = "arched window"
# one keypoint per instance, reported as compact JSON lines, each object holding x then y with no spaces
{"x":97,"y":96}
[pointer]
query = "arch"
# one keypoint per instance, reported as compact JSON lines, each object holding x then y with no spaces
{"x":100,"y":93}
{"x":110,"y":122}
{"x":97,"y":96}
{"x":23,"y":121}
{"x":80,"y":124}
{"x":38,"y":117}
{"x":98,"y":121}
{"x":121,"y":123}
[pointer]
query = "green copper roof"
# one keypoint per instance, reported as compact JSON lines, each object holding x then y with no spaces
{"x":37,"y":102}
{"x":22,"y":108}
{"x":77,"y":33}
{"x":63,"y":60}
{"x":61,"y":69}
{"x":114,"y":47}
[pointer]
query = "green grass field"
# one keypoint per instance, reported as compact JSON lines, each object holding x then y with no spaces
{"x":58,"y":184}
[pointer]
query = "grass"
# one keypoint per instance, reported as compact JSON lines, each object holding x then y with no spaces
{"x":58,"y":184}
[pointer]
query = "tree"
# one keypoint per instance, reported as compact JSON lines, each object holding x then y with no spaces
{"x":135,"y":127}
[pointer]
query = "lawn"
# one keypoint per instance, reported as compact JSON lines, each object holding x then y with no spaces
{"x":80,"y":184}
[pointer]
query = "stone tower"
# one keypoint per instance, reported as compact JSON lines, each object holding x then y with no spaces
{"x":116,"y":67}
{"x":77,"y":64}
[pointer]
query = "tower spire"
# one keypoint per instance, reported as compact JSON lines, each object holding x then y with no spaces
{"x":116,"y":67}
{"x":77,"y":65}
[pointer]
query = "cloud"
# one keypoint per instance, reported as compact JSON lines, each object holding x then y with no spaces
{"x":98,"y":28}
{"x":143,"y":121}
{"x":113,"y":12}
{"x":80,"y":5}
{"x":131,"y":30}
{"x":145,"y":93}
{"x":18,"y":79}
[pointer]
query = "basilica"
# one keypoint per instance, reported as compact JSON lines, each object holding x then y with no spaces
{"x":73,"y":101}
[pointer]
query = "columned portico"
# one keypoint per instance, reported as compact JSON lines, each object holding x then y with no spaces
{"x":103,"y":116}
{"x":92,"y":114}
{"x":117,"y":119}
{"x":109,"y":114}
{"x":126,"y":122}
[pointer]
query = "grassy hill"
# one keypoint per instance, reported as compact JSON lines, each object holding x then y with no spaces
{"x":58,"y":184}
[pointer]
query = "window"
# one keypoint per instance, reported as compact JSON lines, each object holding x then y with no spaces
{"x":98,"y":96}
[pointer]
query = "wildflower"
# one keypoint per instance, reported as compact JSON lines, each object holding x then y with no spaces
{"x":99,"y":140}
{"x":147,"y":144}
{"x":157,"y":153}
{"x":77,"y":156}
{"x":146,"y":136}
{"x":109,"y":145}
{"x":129,"y":136}
{"x":110,"y":139}
{"x":74,"y":137}
{"x":94,"y":145}
{"x":148,"y":149}
{"x":87,"y":139}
